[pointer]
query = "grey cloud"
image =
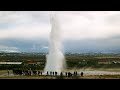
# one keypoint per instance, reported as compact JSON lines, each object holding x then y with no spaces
{"x":22,"y":17}
{"x":113,"y":19}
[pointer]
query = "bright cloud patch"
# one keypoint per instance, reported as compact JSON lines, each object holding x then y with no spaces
{"x":75,"y":25}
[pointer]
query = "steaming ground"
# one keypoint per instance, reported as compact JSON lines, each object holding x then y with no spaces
{"x":55,"y":62}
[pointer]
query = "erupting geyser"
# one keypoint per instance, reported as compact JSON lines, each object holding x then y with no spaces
{"x":55,"y":59}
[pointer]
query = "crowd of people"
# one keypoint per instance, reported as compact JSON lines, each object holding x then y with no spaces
{"x":40,"y":73}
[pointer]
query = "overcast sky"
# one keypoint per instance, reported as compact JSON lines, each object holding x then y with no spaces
{"x":97,"y":29}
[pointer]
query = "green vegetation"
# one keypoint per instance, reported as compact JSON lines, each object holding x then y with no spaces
{"x":73,"y":61}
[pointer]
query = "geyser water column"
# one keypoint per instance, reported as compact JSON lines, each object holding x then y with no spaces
{"x":55,"y":59}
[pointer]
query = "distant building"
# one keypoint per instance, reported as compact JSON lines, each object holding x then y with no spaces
{"x":34,"y":63}
{"x":10,"y":63}
{"x":104,"y":63}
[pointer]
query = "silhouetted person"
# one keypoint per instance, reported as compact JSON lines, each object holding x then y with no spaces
{"x":8,"y":72}
{"x":66,"y":74}
{"x":47,"y":73}
{"x":53,"y":73}
{"x":82,"y":74}
{"x":76,"y":73}
{"x":41,"y":73}
{"x":50,"y":73}
{"x":38,"y":73}
{"x":20,"y":72}
{"x":61,"y":74}
{"x":69,"y":74}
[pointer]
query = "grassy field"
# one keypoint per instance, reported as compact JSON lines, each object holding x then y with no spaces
{"x":74,"y":62}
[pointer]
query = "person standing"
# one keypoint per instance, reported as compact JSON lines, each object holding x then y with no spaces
{"x":8,"y":72}
{"x":82,"y":74}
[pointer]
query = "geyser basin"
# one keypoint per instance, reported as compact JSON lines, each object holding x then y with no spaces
{"x":55,"y":59}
